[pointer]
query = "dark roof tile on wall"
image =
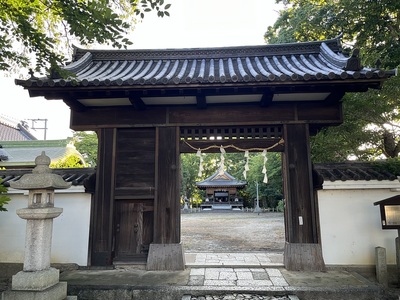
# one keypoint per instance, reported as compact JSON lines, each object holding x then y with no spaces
{"x":77,"y":176}
{"x":352,"y":171}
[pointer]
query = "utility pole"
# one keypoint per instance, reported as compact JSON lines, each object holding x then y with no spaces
{"x":257,"y":209}
{"x":40,"y":128}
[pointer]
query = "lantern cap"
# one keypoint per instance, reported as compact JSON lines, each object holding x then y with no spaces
{"x":41,"y":177}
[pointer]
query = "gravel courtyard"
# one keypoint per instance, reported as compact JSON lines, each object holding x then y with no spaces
{"x":232,"y":231}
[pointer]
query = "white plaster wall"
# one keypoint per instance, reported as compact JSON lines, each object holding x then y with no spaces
{"x":350,"y":223}
{"x":70,"y":229}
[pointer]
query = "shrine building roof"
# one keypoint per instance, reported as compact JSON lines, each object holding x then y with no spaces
{"x":221,"y":179}
{"x":283,"y":72}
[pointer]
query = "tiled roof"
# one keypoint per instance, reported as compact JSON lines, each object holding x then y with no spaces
{"x":23,"y":153}
{"x":11,"y":130}
{"x":352,"y":171}
{"x":221,"y":180}
{"x":281,"y":63}
{"x":77,"y":176}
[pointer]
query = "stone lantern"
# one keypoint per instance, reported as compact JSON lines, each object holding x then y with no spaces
{"x":38,"y":280}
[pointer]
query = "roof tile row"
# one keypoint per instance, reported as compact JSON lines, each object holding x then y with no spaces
{"x":269,"y":63}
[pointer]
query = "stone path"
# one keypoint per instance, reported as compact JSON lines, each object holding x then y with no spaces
{"x":241,"y":297}
{"x":243,"y":277}
{"x":237,"y":270}
{"x":249,"y":259}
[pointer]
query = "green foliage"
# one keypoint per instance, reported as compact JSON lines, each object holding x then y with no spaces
{"x":391,"y":165}
{"x":70,"y":161}
{"x":281,"y":206}
{"x":370,"y":127}
{"x":271,"y":192}
{"x":3,"y":198}
{"x":86,"y":143}
{"x":43,"y":28}
{"x":189,"y":171}
{"x":373,"y":26}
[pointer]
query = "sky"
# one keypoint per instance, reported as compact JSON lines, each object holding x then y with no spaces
{"x":192,"y":24}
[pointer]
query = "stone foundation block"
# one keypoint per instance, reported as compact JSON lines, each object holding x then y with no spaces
{"x":35,"y":281}
{"x":56,"y":292}
{"x":166,"y":257}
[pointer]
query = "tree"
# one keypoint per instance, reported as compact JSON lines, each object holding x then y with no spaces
{"x":70,"y":161}
{"x":372,"y":26}
{"x":234,"y":165}
{"x":370,"y":127}
{"x":272,"y":191}
{"x":86,"y":143}
{"x":43,"y":28}
{"x":3,"y":198}
{"x":189,"y":172}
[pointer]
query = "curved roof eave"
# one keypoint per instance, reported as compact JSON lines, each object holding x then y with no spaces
{"x":295,"y":63}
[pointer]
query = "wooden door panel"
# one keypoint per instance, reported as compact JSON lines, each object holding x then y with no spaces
{"x":134,"y":229}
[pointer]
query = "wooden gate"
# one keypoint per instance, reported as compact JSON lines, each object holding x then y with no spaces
{"x":133,"y":230}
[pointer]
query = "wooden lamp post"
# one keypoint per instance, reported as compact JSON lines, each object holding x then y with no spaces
{"x":390,"y":219}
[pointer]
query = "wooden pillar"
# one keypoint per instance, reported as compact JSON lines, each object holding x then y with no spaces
{"x":166,"y":252}
{"x":103,"y":204}
{"x":303,"y":251}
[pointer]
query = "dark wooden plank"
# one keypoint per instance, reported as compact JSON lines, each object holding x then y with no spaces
{"x":116,"y":117}
{"x":103,"y":204}
{"x":276,"y":113}
{"x":326,"y":111}
{"x":135,"y":160}
{"x":304,"y":257}
{"x":167,"y":207}
{"x":300,"y":209}
{"x":133,"y":229}
{"x":129,"y":229}
{"x":145,"y":192}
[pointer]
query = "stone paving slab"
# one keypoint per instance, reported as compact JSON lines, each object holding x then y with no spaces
{"x":239,"y":277}
{"x":252,"y":259}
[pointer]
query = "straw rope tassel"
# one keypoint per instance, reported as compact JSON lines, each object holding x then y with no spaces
{"x":264,"y":170}
{"x":246,"y":166}
{"x":200,"y":164}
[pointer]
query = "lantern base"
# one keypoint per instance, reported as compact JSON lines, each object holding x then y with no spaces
{"x":35,"y":281}
{"x":56,"y":292}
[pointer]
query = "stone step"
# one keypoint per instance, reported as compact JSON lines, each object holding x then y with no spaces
{"x":190,"y":293}
{"x":222,"y":206}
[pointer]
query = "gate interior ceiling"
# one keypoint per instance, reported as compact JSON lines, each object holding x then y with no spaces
{"x":148,"y":106}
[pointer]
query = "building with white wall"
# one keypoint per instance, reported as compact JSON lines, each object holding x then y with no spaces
{"x":350,"y":224}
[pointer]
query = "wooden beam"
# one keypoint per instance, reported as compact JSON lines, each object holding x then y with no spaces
{"x":167,"y":225}
{"x":303,"y":250}
{"x":192,"y":145}
{"x":201,"y":101}
{"x":335,"y":97}
{"x":137,"y":103}
{"x":224,"y":115}
{"x":266,"y":99}
{"x":103,"y":204}
{"x":74,"y":104}
{"x":298,"y":185}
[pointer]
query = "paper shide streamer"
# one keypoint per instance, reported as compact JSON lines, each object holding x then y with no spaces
{"x":246,"y":155}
